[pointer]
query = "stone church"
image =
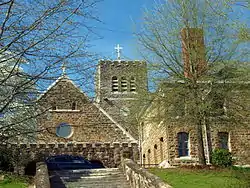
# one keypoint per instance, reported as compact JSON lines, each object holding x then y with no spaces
{"x":69,"y":116}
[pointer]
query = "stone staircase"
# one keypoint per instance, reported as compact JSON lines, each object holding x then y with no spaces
{"x":89,"y":178}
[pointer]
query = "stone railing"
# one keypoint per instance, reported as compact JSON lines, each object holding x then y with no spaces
{"x":139,"y":177}
{"x":42,"y":176}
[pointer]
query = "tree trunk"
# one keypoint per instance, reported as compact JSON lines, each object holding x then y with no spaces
{"x":199,"y":122}
{"x":201,"y":153}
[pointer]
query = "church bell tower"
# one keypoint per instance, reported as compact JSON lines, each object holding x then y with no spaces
{"x":120,"y":85}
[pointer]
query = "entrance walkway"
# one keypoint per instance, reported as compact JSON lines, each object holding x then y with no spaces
{"x":89,"y":178}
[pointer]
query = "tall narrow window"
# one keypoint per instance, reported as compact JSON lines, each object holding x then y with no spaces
{"x":73,"y":106}
{"x":144,"y":159}
{"x":223,"y":140}
{"x":124,"y":86}
{"x":161,"y":148}
{"x":183,"y":149}
{"x":115,"y":84}
{"x":132,"y":84}
{"x":149,"y":152}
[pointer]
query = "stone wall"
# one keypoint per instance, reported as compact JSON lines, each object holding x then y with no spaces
{"x":87,"y":121}
{"x":239,"y":142}
{"x":164,"y":136}
{"x":173,"y":129}
{"x":108,"y":69}
{"x":154,"y":144}
{"x":110,"y":154}
{"x":140,"y":178}
{"x":88,"y":125}
{"x":229,"y":115}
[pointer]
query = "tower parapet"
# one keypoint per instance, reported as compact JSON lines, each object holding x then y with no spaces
{"x":120,"y":79}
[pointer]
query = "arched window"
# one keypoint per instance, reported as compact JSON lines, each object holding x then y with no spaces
{"x":115,"y":85}
{"x":73,"y":106}
{"x":183,"y":146}
{"x":161,"y":148}
{"x":132,"y":84}
{"x":155,"y":146}
{"x":223,"y":140}
{"x":124,"y":85}
{"x":149,"y":151}
{"x":144,"y":156}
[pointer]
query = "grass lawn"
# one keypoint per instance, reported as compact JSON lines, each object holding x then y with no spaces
{"x":205,"y":178}
{"x":11,"y":181}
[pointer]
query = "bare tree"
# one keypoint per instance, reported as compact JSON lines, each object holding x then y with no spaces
{"x":184,"y":42}
{"x":36,"y":38}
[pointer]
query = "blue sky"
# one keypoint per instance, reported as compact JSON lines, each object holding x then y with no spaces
{"x":120,"y":19}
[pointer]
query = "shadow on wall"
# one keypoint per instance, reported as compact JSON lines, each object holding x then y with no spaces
{"x":97,"y":164}
{"x":56,"y":181}
{"x":30,"y":169}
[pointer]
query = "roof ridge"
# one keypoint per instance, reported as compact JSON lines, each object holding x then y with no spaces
{"x":116,"y":123}
{"x":60,"y":78}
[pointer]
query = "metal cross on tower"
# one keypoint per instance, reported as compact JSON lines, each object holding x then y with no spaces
{"x":118,"y":51}
{"x":64,"y":68}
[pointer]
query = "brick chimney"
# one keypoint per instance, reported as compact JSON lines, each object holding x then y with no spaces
{"x":193,"y":52}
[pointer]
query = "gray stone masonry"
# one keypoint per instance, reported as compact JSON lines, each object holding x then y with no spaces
{"x":42,"y":176}
{"x":120,"y":101}
{"x":139,"y":177}
{"x":88,"y":121}
{"x":110,"y":154}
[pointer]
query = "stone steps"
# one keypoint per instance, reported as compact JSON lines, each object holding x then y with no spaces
{"x":89,"y":178}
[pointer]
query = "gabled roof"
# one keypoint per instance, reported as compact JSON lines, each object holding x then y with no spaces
{"x":116,"y":123}
{"x":61,"y":78}
{"x":67,"y":79}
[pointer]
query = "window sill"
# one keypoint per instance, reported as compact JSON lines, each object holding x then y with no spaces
{"x":186,"y":158}
{"x":64,"y":110}
{"x":125,"y":92}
